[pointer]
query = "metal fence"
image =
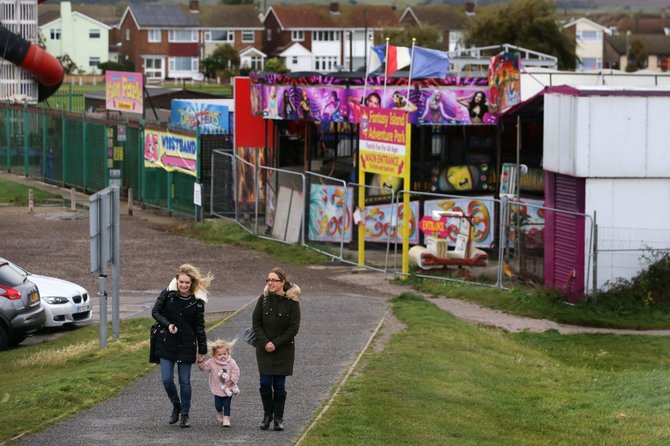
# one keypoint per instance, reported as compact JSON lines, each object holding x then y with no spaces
{"x":505,"y":240}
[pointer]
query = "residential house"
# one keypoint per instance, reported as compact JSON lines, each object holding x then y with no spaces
{"x":449,"y":21}
{"x":589,"y":37}
{"x":657,"y":47}
{"x":236,"y":25}
{"x":324,"y":38}
{"x":162,"y":41}
{"x":70,"y":33}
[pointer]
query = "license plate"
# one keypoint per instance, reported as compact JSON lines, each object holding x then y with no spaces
{"x":34,"y":297}
{"x":82,"y":308}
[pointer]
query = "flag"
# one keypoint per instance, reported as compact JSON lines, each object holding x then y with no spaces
{"x":398,"y":58}
{"x":429,"y":63}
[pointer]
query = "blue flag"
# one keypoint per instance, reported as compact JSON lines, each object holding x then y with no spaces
{"x":429,"y":63}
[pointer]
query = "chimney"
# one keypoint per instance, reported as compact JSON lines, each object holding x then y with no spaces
{"x":470,"y":7}
{"x":334,"y":8}
{"x":194,"y":6}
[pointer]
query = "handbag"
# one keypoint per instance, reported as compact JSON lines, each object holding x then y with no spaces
{"x":249,"y":336}
{"x":155,"y":330}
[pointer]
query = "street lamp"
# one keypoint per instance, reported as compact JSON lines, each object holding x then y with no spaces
{"x":628,"y":33}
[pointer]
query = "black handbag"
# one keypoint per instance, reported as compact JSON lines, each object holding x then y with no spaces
{"x":249,"y":336}
{"x":155,"y":331}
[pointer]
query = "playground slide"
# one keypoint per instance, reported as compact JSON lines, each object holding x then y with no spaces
{"x":47,"y":70}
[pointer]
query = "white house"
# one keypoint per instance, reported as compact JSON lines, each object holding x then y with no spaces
{"x":589,"y":37}
{"x":83,"y":39}
{"x":297,"y":57}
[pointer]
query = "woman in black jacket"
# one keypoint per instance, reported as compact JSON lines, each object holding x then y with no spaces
{"x":180,"y":310}
{"x":276,"y":320}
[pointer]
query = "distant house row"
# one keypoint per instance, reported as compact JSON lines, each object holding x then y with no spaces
{"x":170,"y":41}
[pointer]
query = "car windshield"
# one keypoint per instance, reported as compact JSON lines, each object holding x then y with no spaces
{"x":11,"y":275}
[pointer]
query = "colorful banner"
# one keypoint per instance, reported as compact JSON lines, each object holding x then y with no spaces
{"x":384,"y":221}
{"x":323,"y":98}
{"x":170,"y":151}
{"x":480,"y":209}
{"x":329,"y":217}
{"x":211,"y":116}
{"x":383,"y":141}
{"x":124,"y":91}
{"x":504,"y":81}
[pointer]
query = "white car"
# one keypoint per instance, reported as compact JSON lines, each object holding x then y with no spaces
{"x":64,"y":302}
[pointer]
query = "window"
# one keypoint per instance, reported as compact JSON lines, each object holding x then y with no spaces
{"x":183,"y":64}
{"x":325,"y":36}
{"x":589,"y":36}
{"x":182,"y":35}
{"x":268,"y":34}
{"x":93,"y":33}
{"x":294,"y":60}
{"x":297,"y":36}
{"x":154,"y":35}
{"x":663,"y":63}
{"x":219,"y":35}
{"x":325,"y":63}
{"x":54,"y":33}
{"x":127,"y":33}
{"x":256,"y":63}
{"x":93,"y":61}
{"x":153,"y":67}
{"x":590,"y":63}
{"x":247,"y":36}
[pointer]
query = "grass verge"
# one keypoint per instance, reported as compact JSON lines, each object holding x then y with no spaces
{"x":16,"y":194}
{"x":441,"y":381}
{"x":69,"y":374}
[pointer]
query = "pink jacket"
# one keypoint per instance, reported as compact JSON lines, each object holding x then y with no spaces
{"x":213,"y":367}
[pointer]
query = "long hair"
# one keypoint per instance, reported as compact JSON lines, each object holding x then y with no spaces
{"x":282,"y":276}
{"x":198,"y":281}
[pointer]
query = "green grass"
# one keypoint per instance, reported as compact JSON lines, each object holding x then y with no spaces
{"x":537,"y":302}
{"x":17,"y":194}
{"x":442,"y":381}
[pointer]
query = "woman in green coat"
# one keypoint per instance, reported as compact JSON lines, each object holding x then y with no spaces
{"x":276,"y":320}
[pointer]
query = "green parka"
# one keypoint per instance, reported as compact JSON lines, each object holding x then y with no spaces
{"x":277,"y":319}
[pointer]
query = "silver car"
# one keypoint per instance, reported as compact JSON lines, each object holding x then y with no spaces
{"x":21,"y":311}
{"x":64,"y":302}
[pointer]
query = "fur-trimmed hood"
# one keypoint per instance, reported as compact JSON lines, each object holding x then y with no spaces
{"x":199,"y":294}
{"x":292,"y":293}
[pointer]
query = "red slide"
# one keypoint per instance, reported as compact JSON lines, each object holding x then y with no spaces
{"x":47,"y":70}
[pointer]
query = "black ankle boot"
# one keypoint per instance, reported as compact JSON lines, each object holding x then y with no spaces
{"x":267,"y":410}
{"x":174,"y":416}
{"x":278,"y":409}
{"x":184,"y":421}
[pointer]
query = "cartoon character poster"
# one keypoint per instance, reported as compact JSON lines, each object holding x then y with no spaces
{"x":383,"y":223}
{"x":462,"y":178}
{"x":330,"y":213}
{"x":481,"y":211}
{"x":504,"y":81}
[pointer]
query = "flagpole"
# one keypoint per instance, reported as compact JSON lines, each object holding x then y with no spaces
{"x":367,"y":72}
{"x":386,"y":67}
{"x":411,"y":60}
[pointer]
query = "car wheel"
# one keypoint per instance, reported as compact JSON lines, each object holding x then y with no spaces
{"x":4,"y":339}
{"x":16,"y":340}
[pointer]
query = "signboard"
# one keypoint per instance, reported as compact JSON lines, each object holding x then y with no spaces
{"x":383,"y":141}
{"x":124,"y":91}
{"x":435,"y":228}
{"x":170,"y":151}
{"x":211,"y":116}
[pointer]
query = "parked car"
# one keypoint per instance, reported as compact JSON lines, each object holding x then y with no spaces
{"x":64,"y":302}
{"x":21,"y":311}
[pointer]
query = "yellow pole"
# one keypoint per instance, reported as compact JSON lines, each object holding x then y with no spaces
{"x":405,"y":200}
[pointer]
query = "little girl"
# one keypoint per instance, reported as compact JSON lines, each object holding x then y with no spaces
{"x":223,"y":376}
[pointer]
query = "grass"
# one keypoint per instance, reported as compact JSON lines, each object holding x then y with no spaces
{"x":69,"y":374}
{"x":443,"y":381}
{"x":16,"y":194}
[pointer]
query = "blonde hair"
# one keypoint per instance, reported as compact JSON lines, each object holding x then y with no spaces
{"x":199,"y":283}
{"x":220,"y":344}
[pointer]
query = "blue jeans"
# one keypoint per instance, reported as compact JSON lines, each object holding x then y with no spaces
{"x":184,"y":376}
{"x":222,"y":403}
{"x":276,"y":382}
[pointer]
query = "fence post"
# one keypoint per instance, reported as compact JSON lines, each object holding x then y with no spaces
{"x":595,"y":257}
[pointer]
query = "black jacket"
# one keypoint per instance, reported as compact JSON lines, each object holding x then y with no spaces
{"x":189,"y":317}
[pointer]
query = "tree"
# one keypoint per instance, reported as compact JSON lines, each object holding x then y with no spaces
{"x":275,"y":65}
{"x":426,"y":36}
{"x":223,"y":58}
{"x":637,"y":56}
{"x":530,"y":24}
